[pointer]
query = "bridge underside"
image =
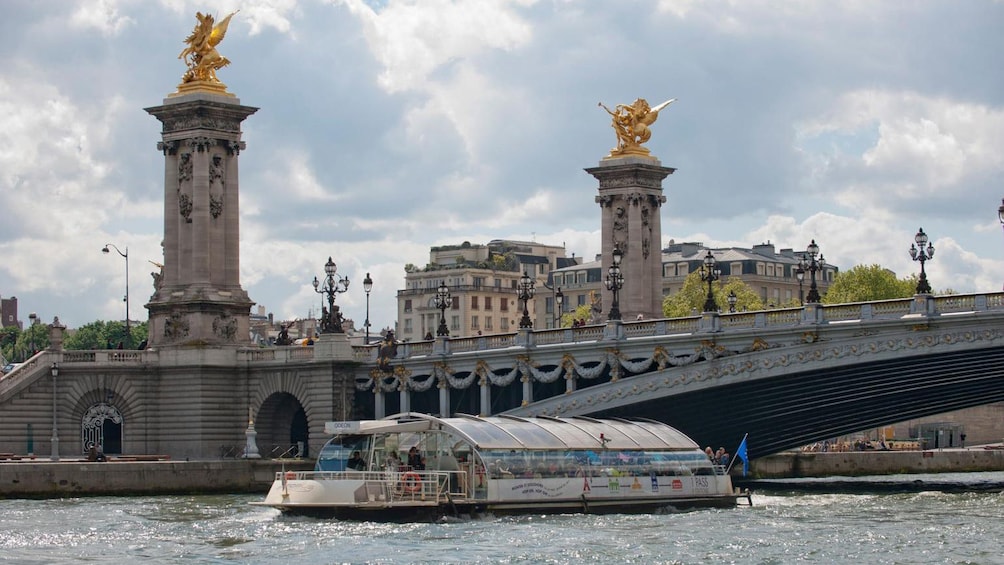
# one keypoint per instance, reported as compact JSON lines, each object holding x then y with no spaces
{"x":797,"y":409}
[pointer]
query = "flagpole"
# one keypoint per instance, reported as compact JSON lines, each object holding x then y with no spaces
{"x":732,"y":460}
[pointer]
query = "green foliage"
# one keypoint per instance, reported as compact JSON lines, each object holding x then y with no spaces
{"x":690,"y":300}
{"x":864,"y":283}
{"x":18,"y":345}
{"x":99,"y":334}
{"x":581,"y":313}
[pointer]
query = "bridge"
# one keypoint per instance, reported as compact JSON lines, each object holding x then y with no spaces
{"x":786,"y":377}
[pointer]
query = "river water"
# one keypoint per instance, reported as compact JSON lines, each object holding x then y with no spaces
{"x":782,"y":526}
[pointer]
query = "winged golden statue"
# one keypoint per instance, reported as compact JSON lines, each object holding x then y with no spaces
{"x":200,"y":55}
{"x":631,"y":124}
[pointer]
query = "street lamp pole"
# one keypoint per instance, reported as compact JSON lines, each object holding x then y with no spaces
{"x":710,"y":274}
{"x":125,"y":255}
{"x":615,"y":282}
{"x":919,"y":253}
{"x":559,"y":299}
{"x":732,"y":301}
{"x":331,"y":323}
{"x":811,"y":264}
{"x":55,"y":428}
{"x":443,"y":300}
{"x":33,"y":321}
{"x":800,"y":275}
{"x":367,"y":287}
{"x":525,"y":293}
{"x":1000,"y":213}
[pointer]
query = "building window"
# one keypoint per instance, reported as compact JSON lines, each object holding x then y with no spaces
{"x":504,"y":324}
{"x":474,"y":303}
{"x":488,"y":303}
{"x":770,"y":269}
{"x":580,"y":278}
{"x":498,"y":283}
{"x":407,"y":306}
{"x":456,"y":303}
{"x":407,"y":325}
{"x":488,"y":323}
{"x":548,"y":305}
{"x":682,"y":269}
{"x":736,"y":269}
{"x":455,"y":323}
{"x":474,"y":323}
{"x":581,"y":300}
{"x":504,"y":304}
{"x":479,"y":282}
{"x":760,"y":269}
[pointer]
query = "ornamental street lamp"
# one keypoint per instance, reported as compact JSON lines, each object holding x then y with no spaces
{"x":559,"y":299}
{"x":525,"y":293}
{"x":125,"y":255}
{"x":732,"y":300}
{"x":811,"y":264}
{"x":710,"y":274}
{"x":367,"y":286}
{"x":919,"y":253}
{"x":1000,"y":213}
{"x":443,"y":301}
{"x":55,"y":428}
{"x":33,"y":317}
{"x":331,"y":321}
{"x":615,"y":282}
{"x":800,"y":275}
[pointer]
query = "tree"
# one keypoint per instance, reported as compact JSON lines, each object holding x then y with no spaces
{"x":690,"y":300}
{"x":864,"y":283}
{"x":582,"y":313}
{"x":100,"y":334}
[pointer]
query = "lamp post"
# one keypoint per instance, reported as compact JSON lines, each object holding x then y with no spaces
{"x":800,"y":275}
{"x":367,"y":287}
{"x":33,"y":317}
{"x":919,"y":253}
{"x":332,"y":321}
{"x":710,"y":274}
{"x":55,"y":427}
{"x":125,"y":255}
{"x":525,"y":292}
{"x":443,"y":301}
{"x":732,"y":301}
{"x":559,"y":299}
{"x":811,"y":264}
{"x":615,"y":282}
{"x":1000,"y":213}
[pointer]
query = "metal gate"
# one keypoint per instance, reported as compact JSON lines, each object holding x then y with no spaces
{"x":102,"y":427}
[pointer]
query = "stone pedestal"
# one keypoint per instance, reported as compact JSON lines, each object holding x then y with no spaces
{"x":198,"y":299}
{"x":333,"y":347}
{"x":630,"y":198}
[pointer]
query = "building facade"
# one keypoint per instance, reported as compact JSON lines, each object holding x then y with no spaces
{"x":483,"y":281}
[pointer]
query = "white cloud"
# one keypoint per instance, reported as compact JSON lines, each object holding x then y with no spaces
{"x":102,"y":15}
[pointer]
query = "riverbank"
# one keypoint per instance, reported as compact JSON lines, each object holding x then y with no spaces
{"x":801,"y":464}
{"x":48,"y":479}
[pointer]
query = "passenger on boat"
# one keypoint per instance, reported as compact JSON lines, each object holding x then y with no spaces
{"x":393,"y":462}
{"x":415,"y":460}
{"x":356,"y":462}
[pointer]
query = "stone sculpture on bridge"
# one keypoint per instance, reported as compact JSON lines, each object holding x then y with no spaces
{"x":631,"y":124}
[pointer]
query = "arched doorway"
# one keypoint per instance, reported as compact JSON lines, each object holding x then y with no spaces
{"x":101,"y":426}
{"x":282,"y":427}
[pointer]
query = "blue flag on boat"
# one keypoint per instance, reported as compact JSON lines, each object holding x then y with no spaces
{"x":742,"y":454}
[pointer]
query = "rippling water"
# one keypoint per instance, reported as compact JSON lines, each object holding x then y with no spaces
{"x":781,"y":527}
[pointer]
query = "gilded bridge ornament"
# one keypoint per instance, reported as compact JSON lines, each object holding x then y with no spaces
{"x":201,"y":56}
{"x":631,"y":124}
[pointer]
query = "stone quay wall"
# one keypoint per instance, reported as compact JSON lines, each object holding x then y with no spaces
{"x":790,"y":465}
{"x":48,"y":479}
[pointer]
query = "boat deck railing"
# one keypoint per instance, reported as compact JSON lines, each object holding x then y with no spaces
{"x":387,"y":487}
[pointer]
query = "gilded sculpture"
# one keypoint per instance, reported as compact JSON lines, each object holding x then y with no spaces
{"x":631,"y":124}
{"x":200,"y":55}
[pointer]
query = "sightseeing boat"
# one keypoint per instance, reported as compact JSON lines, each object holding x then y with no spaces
{"x":414,"y":466}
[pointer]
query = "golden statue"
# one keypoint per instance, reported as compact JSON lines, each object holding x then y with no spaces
{"x":201,"y":56}
{"x":630,"y":123}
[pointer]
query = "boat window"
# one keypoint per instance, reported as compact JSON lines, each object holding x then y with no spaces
{"x":335,"y":454}
{"x":504,"y":464}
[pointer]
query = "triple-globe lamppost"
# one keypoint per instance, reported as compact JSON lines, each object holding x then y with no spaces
{"x":732,"y":298}
{"x":919,"y":253}
{"x":125,"y":255}
{"x":615,"y":282}
{"x":810,"y":263}
{"x":710,"y":274}
{"x":525,"y":290}
{"x":331,"y":322}
{"x":443,"y":300}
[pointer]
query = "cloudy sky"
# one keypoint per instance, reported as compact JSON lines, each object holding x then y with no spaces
{"x":386,"y":127}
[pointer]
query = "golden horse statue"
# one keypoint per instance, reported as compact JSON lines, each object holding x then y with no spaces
{"x":200,"y":55}
{"x":631,"y":124}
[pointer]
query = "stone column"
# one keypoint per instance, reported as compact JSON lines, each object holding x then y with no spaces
{"x":630,"y":199}
{"x":198,"y":299}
